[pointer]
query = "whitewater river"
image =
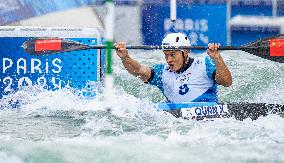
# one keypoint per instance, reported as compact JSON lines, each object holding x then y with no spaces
{"x":63,"y":127}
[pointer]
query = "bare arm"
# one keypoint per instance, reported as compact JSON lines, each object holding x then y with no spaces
{"x":131,"y":65}
{"x":223,"y":75}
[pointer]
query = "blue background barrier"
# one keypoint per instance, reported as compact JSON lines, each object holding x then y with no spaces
{"x":202,"y":20}
{"x":251,"y":7}
{"x":280,"y":8}
{"x":244,"y":34}
{"x":203,"y":23}
{"x":77,"y":69}
{"x":187,"y":2}
{"x":117,"y":2}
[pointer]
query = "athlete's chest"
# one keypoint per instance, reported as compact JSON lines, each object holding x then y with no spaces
{"x":190,"y":76}
{"x":193,"y":75}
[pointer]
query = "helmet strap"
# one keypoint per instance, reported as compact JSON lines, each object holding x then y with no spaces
{"x":184,"y":59}
{"x":184,"y":64}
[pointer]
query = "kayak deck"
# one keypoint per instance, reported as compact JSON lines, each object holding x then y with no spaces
{"x":204,"y":110}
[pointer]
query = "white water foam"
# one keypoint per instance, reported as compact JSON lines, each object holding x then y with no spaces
{"x":63,"y":126}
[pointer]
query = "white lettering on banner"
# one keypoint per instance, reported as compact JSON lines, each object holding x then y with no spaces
{"x":41,"y":81}
{"x":35,"y":67}
{"x":203,"y":38}
{"x":188,"y":24}
{"x":193,"y":38}
{"x":8,"y":82}
{"x":179,"y":25}
{"x":196,"y":29}
{"x":203,"y":25}
{"x":24,"y":81}
{"x":23,"y":67}
{"x":55,"y":81}
{"x":56,"y":65}
{"x":46,"y":66}
{"x":5,"y":67}
{"x":168,"y":24}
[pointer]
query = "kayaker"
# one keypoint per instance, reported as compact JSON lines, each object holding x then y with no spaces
{"x":183,"y":78}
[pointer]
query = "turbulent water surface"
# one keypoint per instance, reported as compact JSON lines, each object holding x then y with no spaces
{"x":61,"y":126}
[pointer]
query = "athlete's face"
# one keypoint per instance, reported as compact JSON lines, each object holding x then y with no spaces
{"x":174,"y":59}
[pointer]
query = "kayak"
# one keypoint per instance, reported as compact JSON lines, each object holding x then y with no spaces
{"x":208,"y":110}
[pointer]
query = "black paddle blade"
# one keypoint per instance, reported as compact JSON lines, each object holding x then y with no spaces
{"x":271,"y":48}
{"x":45,"y":46}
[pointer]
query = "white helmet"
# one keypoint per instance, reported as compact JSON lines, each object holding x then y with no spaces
{"x":176,"y":39}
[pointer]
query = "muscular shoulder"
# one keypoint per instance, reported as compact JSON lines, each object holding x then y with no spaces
{"x":206,"y":64}
{"x":156,"y":73}
{"x":210,"y":67}
{"x":159,"y":67}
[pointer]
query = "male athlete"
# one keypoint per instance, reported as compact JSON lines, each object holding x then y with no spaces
{"x":182,"y":79}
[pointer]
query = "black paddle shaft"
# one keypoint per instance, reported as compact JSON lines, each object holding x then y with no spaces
{"x":261,"y":48}
{"x":151,"y":47}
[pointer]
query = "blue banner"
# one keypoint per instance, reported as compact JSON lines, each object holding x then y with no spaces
{"x":280,"y":8}
{"x":251,"y":7}
{"x":185,"y":2}
{"x":202,"y":23}
{"x":241,"y":35}
{"x":75,"y":69}
{"x":117,"y":2}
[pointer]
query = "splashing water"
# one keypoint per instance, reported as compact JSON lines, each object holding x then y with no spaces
{"x":65,"y":126}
